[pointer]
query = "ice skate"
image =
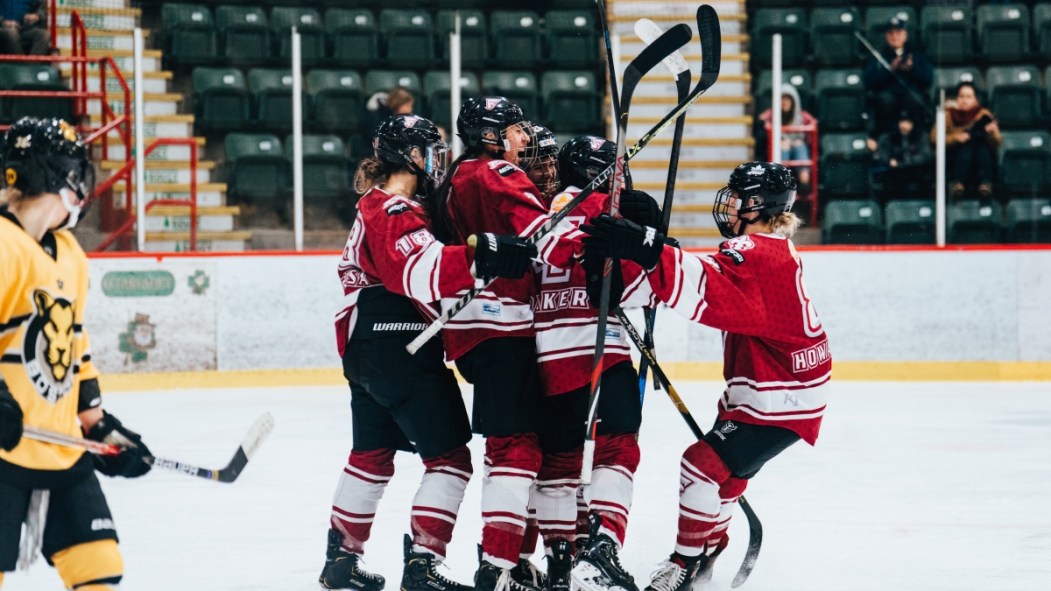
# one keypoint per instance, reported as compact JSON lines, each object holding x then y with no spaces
{"x":559,"y":565}
{"x":528,"y":576}
{"x":421,"y":573}
{"x":678,"y":573}
{"x":342,"y":569}
{"x":598,"y":566}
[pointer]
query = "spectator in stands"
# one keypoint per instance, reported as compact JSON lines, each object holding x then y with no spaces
{"x":385,"y":104}
{"x":794,"y":144}
{"x":971,"y":139}
{"x":24,"y":28}
{"x":899,"y":81}
{"x":903,"y":159}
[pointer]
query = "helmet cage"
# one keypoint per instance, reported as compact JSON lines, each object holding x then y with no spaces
{"x":398,"y":137}
{"x":766,"y":204}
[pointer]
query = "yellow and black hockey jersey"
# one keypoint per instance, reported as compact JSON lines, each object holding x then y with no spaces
{"x":44,"y":350}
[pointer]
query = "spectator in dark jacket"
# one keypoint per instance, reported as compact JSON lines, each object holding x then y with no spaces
{"x":24,"y":28}
{"x":903,"y":160}
{"x":887,"y":96}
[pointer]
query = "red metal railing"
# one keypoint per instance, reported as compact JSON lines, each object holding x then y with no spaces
{"x":125,"y":173}
{"x":811,"y":139}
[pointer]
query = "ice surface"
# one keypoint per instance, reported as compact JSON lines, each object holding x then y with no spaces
{"x":912,"y":486}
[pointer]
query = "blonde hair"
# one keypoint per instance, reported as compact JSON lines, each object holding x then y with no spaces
{"x":371,"y":172}
{"x":785,"y":223}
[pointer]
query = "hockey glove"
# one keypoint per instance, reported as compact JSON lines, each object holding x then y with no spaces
{"x":593,"y":269}
{"x":501,"y":255}
{"x":640,"y":208}
{"x":130,"y":462}
{"x":619,"y":238}
{"x":10,"y":419}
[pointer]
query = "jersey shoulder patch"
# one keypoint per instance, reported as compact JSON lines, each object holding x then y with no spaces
{"x":396,"y":205}
{"x":503,"y":167}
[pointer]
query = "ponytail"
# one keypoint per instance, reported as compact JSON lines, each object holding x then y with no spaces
{"x":785,"y":223}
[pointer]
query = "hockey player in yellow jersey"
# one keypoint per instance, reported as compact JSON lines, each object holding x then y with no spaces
{"x":47,"y":379}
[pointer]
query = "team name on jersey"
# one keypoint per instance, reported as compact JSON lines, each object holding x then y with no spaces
{"x":398,"y":326}
{"x":570,"y":298}
{"x":811,"y":357}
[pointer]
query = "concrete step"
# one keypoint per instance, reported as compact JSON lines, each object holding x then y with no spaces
{"x":171,"y":218}
{"x":100,"y":38}
{"x":179,"y":125}
{"x":208,"y":194}
{"x":662,"y":85}
{"x":630,"y":46}
{"x":117,"y":151}
{"x":153,"y":83}
{"x":708,"y":107}
{"x":685,"y":177}
{"x":661,"y":155}
{"x":151,"y":59}
{"x":206,"y":241}
{"x":153,"y":103}
{"x":111,"y":19}
{"x":167,"y":171}
{"x":79,"y":4}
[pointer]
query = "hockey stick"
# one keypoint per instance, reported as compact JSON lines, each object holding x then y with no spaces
{"x":672,"y":40}
{"x":648,"y":30}
{"x":251,"y":442}
{"x":755,"y":527}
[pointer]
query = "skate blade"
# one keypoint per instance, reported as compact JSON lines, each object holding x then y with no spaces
{"x":587,"y":577}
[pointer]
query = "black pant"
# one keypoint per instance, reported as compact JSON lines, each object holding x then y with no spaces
{"x":564,"y":425}
{"x":745,"y":448}
{"x":507,"y":387}
{"x":887,"y":106}
{"x":971,"y":161}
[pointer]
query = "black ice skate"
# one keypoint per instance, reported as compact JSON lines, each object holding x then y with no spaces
{"x":421,"y":573}
{"x":342,"y":570}
{"x":493,"y":578}
{"x":598,"y":567}
{"x":527,"y":576}
{"x":559,"y":563}
{"x":673,"y":576}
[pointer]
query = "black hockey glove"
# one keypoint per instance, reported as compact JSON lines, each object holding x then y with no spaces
{"x":128,"y":463}
{"x":640,"y":208}
{"x":501,"y":255}
{"x":10,"y":419}
{"x":593,"y":270}
{"x":619,"y":238}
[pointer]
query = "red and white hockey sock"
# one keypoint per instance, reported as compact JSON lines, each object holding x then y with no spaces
{"x":358,"y":494}
{"x":532,"y":530}
{"x":701,"y":473}
{"x":612,"y":481}
{"x":556,"y":495}
{"x":438,"y":499}
{"x":511,"y":466}
{"x":729,"y":492}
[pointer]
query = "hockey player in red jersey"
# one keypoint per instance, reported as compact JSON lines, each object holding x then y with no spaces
{"x":392,"y":268}
{"x":776,"y":358}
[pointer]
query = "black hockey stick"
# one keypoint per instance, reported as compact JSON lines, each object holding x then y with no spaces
{"x":648,"y":30}
{"x":755,"y":527}
{"x":672,"y":40}
{"x":251,"y":442}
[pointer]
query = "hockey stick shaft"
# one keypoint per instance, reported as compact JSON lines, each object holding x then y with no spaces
{"x":673,"y":39}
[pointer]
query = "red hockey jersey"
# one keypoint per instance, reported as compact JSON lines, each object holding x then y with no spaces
{"x":564,"y":321}
{"x":776,"y":359}
{"x":391,"y":255}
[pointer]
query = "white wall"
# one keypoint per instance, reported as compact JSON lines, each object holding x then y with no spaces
{"x":275,"y":311}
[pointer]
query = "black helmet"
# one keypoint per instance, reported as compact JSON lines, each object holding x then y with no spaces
{"x":398,"y":136}
{"x":584,"y":157}
{"x":766,"y":187}
{"x":47,"y":156}
{"x":539,"y":159}
{"x":482,"y":122}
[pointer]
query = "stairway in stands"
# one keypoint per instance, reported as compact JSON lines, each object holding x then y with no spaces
{"x":109,"y":32}
{"x":718,"y":132}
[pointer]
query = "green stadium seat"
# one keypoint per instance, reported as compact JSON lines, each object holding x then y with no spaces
{"x":408,"y":38}
{"x":845,"y":160}
{"x":221,"y":100}
{"x":474,"y":37}
{"x":876,"y":18}
{"x":353,"y":36}
{"x":571,"y":100}
{"x":800,"y":79}
{"x":572,"y":37}
{"x":359,"y":146}
{"x":377,"y":80}
{"x":256,"y":168}
{"x":910,"y":221}
{"x":1025,"y":162}
{"x":840,"y":99}
{"x":28,"y":76}
{"x":832,"y":40}
{"x":947,"y":33}
{"x":973,"y":222}
{"x":437,"y":87}
{"x":325,"y":167}
{"x":308,"y":24}
{"x":520,"y":87}
{"x":272,"y":93}
{"x":245,"y":34}
{"x":188,"y":34}
{"x":791,"y":23}
{"x":948,"y":79}
{"x":1015,"y":95}
{"x":852,"y":221}
{"x":516,"y":38}
{"x":338,"y":100}
{"x":1028,"y":220}
{"x":1042,"y":28}
{"x":1003,"y":31}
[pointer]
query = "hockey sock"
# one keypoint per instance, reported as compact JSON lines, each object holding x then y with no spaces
{"x":616,"y":459}
{"x":511,"y":466}
{"x":438,"y":499}
{"x":701,"y":473}
{"x":358,"y":494}
{"x":729,"y":492}
{"x":532,"y":530}
{"x":94,"y":566}
{"x":556,"y":499}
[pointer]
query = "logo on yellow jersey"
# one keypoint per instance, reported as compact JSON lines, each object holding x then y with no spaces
{"x":48,"y":346}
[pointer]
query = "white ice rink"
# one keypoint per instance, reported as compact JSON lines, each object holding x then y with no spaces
{"x":912,"y":486}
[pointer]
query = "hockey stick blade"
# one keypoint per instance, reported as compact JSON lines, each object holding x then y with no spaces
{"x":649,"y":31}
{"x":755,"y":542}
{"x":545,"y":228}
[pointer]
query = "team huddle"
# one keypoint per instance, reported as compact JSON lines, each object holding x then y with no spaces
{"x":427,"y":233}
